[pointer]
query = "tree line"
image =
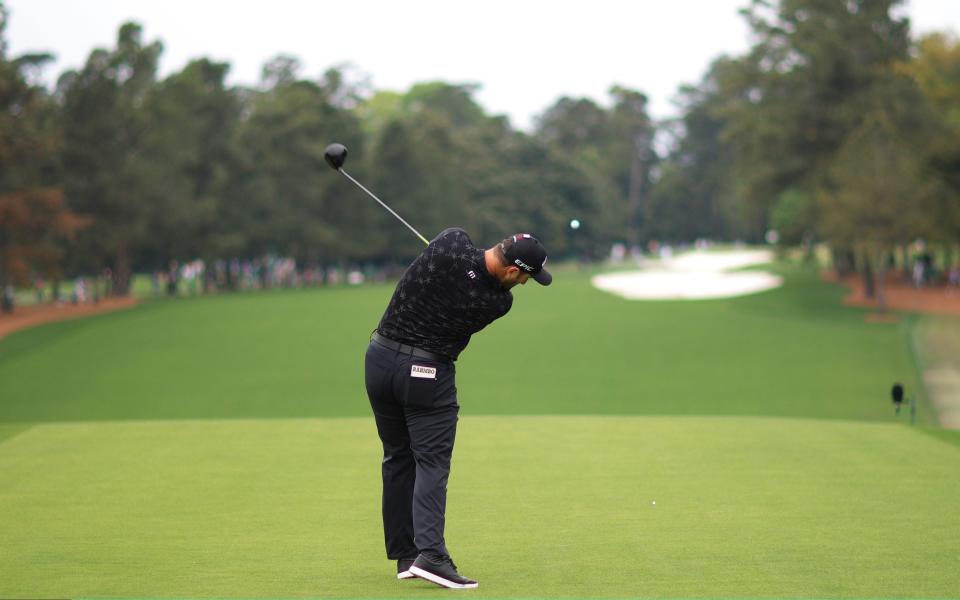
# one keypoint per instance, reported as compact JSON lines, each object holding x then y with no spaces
{"x":835,"y":126}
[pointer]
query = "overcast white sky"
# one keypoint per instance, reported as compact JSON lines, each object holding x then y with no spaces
{"x":525,"y":54}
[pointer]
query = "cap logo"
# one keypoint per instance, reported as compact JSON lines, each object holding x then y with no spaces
{"x":523,"y":265}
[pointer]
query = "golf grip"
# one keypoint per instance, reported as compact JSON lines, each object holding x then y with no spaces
{"x":372,"y":195}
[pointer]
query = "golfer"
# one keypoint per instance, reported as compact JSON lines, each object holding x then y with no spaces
{"x":451,"y":291}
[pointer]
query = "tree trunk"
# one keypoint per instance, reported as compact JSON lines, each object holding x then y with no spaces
{"x":5,"y":304}
{"x":809,"y":249}
{"x":880,"y":291}
{"x":635,"y":209}
{"x":869,"y":285}
{"x":634,"y":202}
{"x":843,"y":262}
{"x":121,"y":272}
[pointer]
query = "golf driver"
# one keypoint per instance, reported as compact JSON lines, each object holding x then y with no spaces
{"x":336,"y":155}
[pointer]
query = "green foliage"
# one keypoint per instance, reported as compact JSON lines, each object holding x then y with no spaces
{"x":615,"y":148}
{"x":879,"y":198}
{"x":815,"y":71}
{"x":695,"y":195}
{"x":188,"y":151}
{"x":186,"y":167}
{"x":936,"y":70}
{"x":281,"y":194}
{"x":794,"y":217}
{"x":190,"y":167}
{"x":35,"y":224}
{"x":454,"y":102}
{"x":105,"y":132}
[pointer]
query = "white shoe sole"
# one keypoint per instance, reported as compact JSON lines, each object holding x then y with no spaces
{"x":453,"y":585}
{"x":406,"y":575}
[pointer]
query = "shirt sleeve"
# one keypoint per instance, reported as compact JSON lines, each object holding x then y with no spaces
{"x":448,"y":250}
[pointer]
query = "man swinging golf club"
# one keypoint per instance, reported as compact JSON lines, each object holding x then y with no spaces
{"x":452,"y":290}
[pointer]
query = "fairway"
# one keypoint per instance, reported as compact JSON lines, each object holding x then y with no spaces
{"x":221,"y":447}
{"x":794,"y":352}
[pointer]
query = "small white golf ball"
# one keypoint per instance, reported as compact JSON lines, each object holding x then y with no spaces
{"x":654,"y":502}
{"x":575,"y":224}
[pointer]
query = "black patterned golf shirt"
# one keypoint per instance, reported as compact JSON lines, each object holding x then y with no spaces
{"x":445,"y":296}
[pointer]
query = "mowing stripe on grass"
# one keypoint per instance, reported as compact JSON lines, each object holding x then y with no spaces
{"x":557,"y":507}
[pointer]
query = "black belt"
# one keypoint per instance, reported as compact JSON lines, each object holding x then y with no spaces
{"x":411,"y":350}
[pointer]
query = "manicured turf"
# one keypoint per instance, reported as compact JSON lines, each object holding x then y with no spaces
{"x":222,"y":447}
{"x":539,"y":507}
{"x":566,"y":349}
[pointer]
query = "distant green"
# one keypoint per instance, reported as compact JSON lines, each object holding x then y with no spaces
{"x":565,"y":349}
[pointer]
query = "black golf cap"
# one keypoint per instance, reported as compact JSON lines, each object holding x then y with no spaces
{"x":529,"y":255}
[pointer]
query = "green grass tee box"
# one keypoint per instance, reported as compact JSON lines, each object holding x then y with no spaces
{"x":539,"y":506}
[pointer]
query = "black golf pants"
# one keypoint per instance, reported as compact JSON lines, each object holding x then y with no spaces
{"x":414,"y":401}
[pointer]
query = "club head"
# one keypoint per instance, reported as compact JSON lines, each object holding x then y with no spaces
{"x":335,"y":155}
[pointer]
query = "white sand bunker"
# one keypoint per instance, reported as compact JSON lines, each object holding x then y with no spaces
{"x":694,"y":276}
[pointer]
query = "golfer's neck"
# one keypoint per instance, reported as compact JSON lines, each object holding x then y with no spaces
{"x":492,"y":262}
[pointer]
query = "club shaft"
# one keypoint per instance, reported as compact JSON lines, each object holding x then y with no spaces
{"x":383,"y":204}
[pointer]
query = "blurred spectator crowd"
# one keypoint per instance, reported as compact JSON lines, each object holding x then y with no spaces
{"x":200,"y":277}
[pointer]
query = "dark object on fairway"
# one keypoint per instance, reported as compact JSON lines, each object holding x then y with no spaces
{"x":897,"y":394}
{"x":335,"y":155}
